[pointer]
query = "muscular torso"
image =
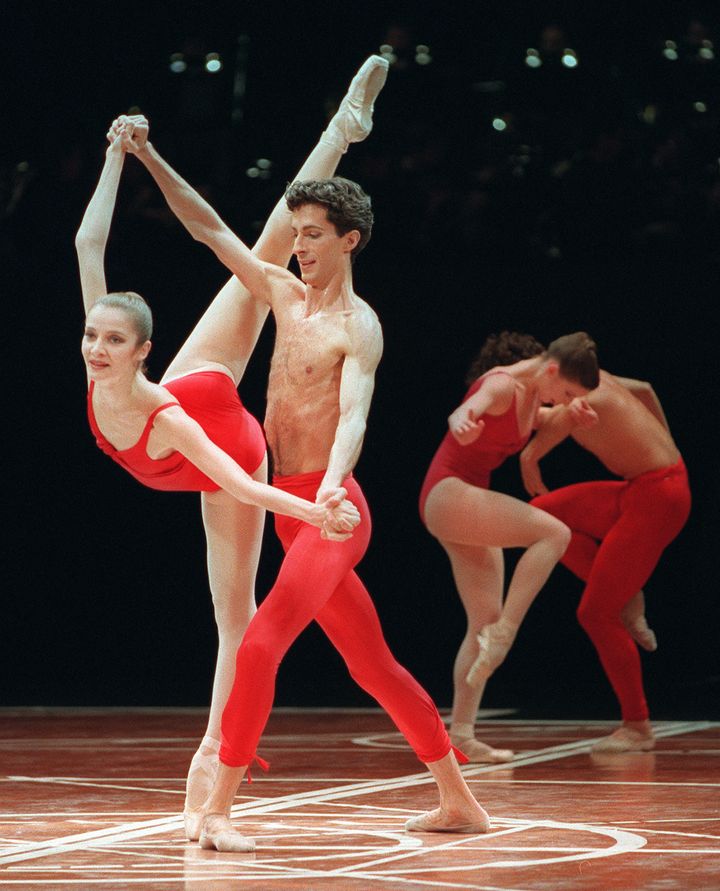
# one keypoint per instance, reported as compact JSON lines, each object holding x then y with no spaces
{"x":303,"y":404}
{"x":629,"y":439}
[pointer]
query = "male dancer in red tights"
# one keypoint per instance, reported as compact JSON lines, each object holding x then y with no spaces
{"x":619,"y":529}
{"x":327,"y":347}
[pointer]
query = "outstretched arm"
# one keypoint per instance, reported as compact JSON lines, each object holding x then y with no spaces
{"x":92,"y":235}
{"x":495,"y":395}
{"x":177,"y":430}
{"x":645,"y":394}
{"x":193,"y":211}
{"x":556,"y":424}
{"x":357,"y":382}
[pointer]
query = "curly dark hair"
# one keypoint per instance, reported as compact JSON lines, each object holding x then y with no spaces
{"x":347,"y":206}
{"x":504,"y":348}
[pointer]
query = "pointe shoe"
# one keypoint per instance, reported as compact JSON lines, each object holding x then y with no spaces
{"x":353,"y":120}
{"x":643,"y":635}
{"x":214,"y":837}
{"x":432,"y":822}
{"x":200,"y":780}
{"x":480,"y":753}
{"x":495,"y":642}
{"x":624,"y":739}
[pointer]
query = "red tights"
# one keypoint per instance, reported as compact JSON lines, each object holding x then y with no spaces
{"x":316,"y":581}
{"x":620,"y":529}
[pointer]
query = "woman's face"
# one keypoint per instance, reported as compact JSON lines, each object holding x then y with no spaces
{"x":555,"y":389}
{"x":109,"y":345}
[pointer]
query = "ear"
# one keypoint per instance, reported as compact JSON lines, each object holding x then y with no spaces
{"x":552,"y":369}
{"x":144,"y":350}
{"x":351,"y":240}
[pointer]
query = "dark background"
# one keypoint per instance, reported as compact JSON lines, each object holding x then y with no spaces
{"x":597,"y":208}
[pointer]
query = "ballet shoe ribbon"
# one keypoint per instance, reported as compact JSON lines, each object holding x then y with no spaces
{"x":262,"y":764}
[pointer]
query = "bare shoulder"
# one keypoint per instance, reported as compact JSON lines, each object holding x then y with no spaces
{"x":364,"y":331}
{"x":285,"y":287}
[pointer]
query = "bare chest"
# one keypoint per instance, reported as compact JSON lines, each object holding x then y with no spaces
{"x":308,"y":350}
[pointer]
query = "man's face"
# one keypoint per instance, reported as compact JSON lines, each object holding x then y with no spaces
{"x":320,"y":251}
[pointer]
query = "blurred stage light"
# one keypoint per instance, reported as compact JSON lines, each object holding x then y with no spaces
{"x":532,"y":58}
{"x":422,"y":54}
{"x":213,"y":63}
{"x":648,"y":114}
{"x":387,"y":52}
{"x":670,"y":50}
{"x":499,"y":124}
{"x":178,"y":63}
{"x":569,"y":58}
{"x":263,"y":163}
{"x":700,"y":107}
{"x":253,"y":172}
{"x":707,"y":51}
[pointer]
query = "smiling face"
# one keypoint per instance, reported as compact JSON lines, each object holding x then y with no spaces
{"x":110,"y":345}
{"x":321,"y":253}
{"x":554,"y":389}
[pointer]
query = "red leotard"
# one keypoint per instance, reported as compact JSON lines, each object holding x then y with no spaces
{"x":211,"y":399}
{"x":473,"y":463}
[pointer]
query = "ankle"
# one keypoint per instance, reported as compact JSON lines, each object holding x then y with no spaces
{"x":461,"y":731}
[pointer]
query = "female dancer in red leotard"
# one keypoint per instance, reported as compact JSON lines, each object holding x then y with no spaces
{"x":213,"y":359}
{"x":474,"y":524}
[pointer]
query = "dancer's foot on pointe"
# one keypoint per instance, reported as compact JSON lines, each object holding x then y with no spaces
{"x":480,"y":753}
{"x":625,"y":739}
{"x":470,"y":822}
{"x":642,"y":634}
{"x":353,"y":120}
{"x":495,"y":642}
{"x":217,"y":834}
{"x":200,"y":780}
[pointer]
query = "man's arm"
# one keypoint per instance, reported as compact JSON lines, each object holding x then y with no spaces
{"x":556,"y":424}
{"x":357,"y":383}
{"x":645,"y":394}
{"x":196,"y":215}
{"x":92,"y":236}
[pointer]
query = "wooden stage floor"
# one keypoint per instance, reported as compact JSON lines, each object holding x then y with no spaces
{"x":90,"y":798}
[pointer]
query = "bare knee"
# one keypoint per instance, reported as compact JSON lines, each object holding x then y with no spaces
{"x":559,"y":537}
{"x":233,"y":607}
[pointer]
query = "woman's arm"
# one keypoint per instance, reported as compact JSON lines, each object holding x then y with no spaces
{"x":494,"y":396}
{"x":554,"y":425}
{"x":178,"y":431}
{"x":92,"y":235}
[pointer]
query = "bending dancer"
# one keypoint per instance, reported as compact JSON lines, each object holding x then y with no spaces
{"x":327,"y":347}
{"x":619,"y":530}
{"x":474,"y":523}
{"x":219,"y":346}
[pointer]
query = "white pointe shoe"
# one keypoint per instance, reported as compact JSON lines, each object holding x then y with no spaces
{"x":218,"y":835}
{"x":200,"y":780}
{"x":353,"y":120}
{"x":495,"y":642}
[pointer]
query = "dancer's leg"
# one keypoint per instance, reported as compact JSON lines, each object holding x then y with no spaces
{"x":234,"y":532}
{"x":351,"y":622}
{"x":461,"y":514}
{"x":228,"y":331}
{"x":478,"y":574}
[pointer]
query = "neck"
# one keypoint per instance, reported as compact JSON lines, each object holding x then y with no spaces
{"x":120,"y":393}
{"x":336,"y":294}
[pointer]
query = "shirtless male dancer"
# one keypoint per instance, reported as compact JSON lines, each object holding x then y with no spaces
{"x":223,"y":340}
{"x":327,"y":347}
{"x":619,"y":529}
